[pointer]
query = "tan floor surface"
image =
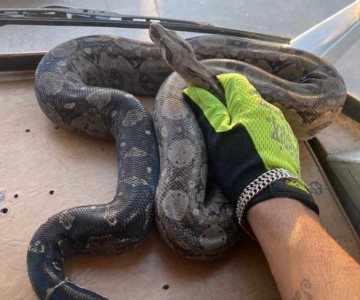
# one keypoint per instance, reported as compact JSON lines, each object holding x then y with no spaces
{"x":36,"y":158}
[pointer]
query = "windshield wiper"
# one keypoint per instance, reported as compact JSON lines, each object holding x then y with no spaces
{"x":67,"y":16}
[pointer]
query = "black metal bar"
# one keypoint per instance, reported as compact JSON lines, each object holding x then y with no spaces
{"x":352,"y":107}
{"x":63,"y":12}
{"x":20,"y":61}
{"x":88,"y":17}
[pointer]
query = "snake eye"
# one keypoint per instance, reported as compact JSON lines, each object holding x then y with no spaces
{"x":187,"y":48}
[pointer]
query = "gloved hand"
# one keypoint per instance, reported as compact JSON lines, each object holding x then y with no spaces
{"x":245,"y":139}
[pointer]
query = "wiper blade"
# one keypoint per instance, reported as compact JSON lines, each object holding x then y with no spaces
{"x":66,"y":16}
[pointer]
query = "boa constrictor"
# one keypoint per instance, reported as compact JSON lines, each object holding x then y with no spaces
{"x":86,"y":85}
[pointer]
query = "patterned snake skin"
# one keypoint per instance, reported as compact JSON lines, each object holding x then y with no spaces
{"x":86,"y":85}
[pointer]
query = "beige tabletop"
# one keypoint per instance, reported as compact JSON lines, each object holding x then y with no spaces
{"x":44,"y":170}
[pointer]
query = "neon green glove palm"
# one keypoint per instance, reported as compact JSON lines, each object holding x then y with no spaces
{"x":247,"y":138}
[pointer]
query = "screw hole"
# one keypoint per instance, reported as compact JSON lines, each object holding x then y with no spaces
{"x":51,"y":192}
{"x":165,"y":286}
{"x":16,"y":195}
{"x":4,"y":210}
{"x":27,"y":130}
{"x":56,"y":127}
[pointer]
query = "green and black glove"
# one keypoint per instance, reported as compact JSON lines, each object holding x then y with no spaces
{"x":246,"y":139}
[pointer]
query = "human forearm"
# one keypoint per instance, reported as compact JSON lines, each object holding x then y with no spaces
{"x":305,"y":261}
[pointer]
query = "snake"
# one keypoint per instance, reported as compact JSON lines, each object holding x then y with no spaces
{"x":87,"y":85}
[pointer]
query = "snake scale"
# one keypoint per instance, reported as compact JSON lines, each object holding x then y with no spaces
{"x":86,"y":85}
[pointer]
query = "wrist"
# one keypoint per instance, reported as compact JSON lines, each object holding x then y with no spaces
{"x":280,"y":219}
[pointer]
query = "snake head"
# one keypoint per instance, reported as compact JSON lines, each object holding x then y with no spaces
{"x":156,"y":32}
{"x":172,"y":47}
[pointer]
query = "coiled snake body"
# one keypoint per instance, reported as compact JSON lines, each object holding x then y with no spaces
{"x":85,"y":85}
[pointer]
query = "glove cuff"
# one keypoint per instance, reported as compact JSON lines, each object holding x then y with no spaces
{"x":275,"y":183}
{"x":286,"y":188}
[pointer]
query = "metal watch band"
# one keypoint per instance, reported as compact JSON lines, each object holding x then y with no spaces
{"x":256,"y":186}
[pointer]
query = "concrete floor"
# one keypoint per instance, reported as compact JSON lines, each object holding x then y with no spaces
{"x":278,"y":17}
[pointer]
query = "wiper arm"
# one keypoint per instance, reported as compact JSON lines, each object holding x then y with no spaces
{"x":67,"y":16}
